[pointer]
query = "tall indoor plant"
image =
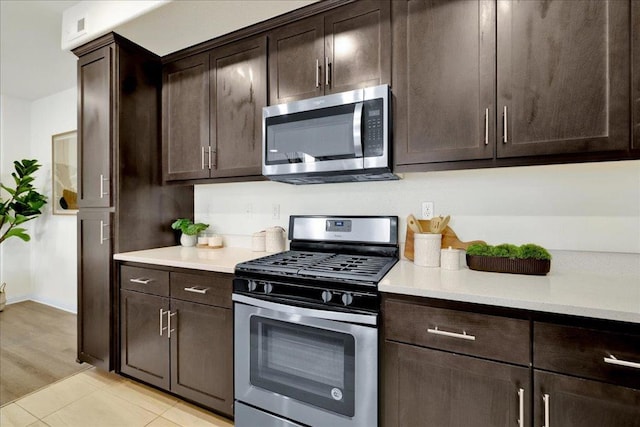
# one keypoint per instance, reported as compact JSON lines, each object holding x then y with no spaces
{"x":24,"y":202}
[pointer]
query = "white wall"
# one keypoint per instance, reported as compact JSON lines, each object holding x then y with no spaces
{"x":578,"y":207}
{"x":15,"y":259}
{"x":54,"y":242}
{"x":43,"y":269}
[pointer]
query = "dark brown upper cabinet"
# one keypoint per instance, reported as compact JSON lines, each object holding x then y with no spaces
{"x":635,"y":80}
{"x":492,"y":81}
{"x":344,"y":49}
{"x":443,"y":80}
{"x":95,"y":71}
{"x":212,"y":112}
{"x":563,"y":77}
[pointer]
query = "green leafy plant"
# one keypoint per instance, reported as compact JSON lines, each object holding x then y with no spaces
{"x":188,"y":227}
{"x":24,"y":203}
{"x":507,"y":250}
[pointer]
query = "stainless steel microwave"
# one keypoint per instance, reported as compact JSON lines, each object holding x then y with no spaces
{"x":334,"y":138}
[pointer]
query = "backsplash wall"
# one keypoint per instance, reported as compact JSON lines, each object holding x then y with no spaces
{"x":577,"y":207}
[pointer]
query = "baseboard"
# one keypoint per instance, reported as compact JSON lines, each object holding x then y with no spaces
{"x":54,"y":305}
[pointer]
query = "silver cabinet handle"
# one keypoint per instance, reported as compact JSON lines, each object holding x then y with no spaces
{"x":202,"y":157}
{"x":505,"y":137}
{"x":326,"y":71}
{"x":170,"y":315}
{"x":357,"y":130}
{"x":615,"y":361}
{"x":196,"y":290}
{"x":486,"y":126}
{"x":162,"y":327}
{"x":102,"y":227}
{"x":463,"y":335}
{"x":546,"y":398}
{"x":317,"y":73}
{"x":141,"y":281}
{"x":102,"y":192}
{"x":521,"y":407}
{"x":209,"y":157}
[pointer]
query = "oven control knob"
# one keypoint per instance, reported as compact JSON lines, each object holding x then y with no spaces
{"x":268,"y":287}
{"x":347,"y":299}
{"x":252,"y":285}
{"x":326,"y":296}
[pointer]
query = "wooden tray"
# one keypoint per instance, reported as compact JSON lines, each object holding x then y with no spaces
{"x":449,"y":238}
{"x":208,"y":247}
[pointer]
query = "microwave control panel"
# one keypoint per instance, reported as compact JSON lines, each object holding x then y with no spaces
{"x":374,"y":129}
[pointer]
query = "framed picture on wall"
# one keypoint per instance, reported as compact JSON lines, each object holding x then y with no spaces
{"x":64,"y":195}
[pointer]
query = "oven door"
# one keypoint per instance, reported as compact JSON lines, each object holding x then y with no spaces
{"x":302,"y":365}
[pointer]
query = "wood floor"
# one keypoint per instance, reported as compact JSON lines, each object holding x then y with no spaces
{"x":37,"y":348}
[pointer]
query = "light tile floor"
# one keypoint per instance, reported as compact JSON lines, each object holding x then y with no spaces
{"x":97,"y":399}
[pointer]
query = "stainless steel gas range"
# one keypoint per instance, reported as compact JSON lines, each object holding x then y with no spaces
{"x":306,"y":324}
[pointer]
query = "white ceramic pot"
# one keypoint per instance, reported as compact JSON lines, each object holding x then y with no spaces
{"x":186,"y":240}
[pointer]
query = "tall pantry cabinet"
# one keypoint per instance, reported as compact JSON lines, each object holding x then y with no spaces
{"x":123,"y":204}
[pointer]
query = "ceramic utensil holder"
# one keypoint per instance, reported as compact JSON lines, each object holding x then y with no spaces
{"x":427,"y":249}
{"x":274,"y":239}
{"x":258,"y":241}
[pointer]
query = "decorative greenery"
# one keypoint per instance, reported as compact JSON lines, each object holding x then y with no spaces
{"x":507,"y":250}
{"x":188,"y":227}
{"x":24,"y":204}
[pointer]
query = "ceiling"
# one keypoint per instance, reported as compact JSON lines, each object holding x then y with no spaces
{"x":32,"y":64}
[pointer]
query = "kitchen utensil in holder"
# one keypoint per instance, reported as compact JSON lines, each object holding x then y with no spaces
{"x":274,"y":239}
{"x":427,"y":249}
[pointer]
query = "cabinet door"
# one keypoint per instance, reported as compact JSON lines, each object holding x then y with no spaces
{"x":357,"y":46}
{"x":238,"y":94}
{"x":202,"y":354}
{"x":296,"y":61}
{"x":575,"y":402}
{"x":443,"y":80}
{"x":95,"y":288}
{"x":95,"y":99}
{"x":185,"y":118}
{"x":144,"y":344}
{"x":424,"y":387}
{"x":563,"y":76}
{"x":635,"y":79}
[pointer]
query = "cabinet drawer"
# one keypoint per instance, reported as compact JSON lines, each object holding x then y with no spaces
{"x":212,"y":289}
{"x":144,"y":280}
{"x":474,"y":334}
{"x":588,"y":353}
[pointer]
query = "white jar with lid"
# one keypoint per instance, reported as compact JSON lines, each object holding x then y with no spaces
{"x":274,"y":239}
{"x":258,"y":241}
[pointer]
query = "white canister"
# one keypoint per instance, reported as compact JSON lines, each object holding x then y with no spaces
{"x":450,"y":259}
{"x":258,"y":241}
{"x":274,"y":239}
{"x":215,"y":241}
{"x":426,"y":249}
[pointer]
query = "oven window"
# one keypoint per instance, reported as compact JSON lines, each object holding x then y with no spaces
{"x":312,"y":365}
{"x":317,"y":135}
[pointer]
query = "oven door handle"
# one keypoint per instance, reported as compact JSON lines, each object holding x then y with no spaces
{"x":365,"y":319}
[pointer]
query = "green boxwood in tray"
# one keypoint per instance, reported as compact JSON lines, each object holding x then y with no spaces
{"x":507,"y":258}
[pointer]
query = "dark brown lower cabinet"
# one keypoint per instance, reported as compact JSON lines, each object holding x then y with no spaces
{"x":425,"y":387}
{"x":179,"y":340}
{"x":564,"y":401}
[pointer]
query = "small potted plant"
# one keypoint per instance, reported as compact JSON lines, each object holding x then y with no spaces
{"x":507,"y":258}
{"x":189,"y":230}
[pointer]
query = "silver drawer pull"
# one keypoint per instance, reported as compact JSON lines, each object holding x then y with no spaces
{"x":141,"y":281}
{"x":196,"y":290}
{"x":521,"y":407}
{"x":463,"y":335}
{"x":547,"y":402}
{"x":614,"y":361}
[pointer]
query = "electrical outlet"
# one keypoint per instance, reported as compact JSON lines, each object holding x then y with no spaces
{"x":427,"y":210}
{"x":275,"y":211}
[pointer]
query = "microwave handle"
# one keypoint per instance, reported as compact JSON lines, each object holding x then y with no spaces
{"x":357,"y":129}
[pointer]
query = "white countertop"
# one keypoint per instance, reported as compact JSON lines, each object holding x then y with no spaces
{"x":222,"y":260}
{"x":590,"y":295}
{"x":574,"y":293}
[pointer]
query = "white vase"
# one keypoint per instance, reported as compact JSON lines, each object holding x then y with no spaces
{"x":187,"y":240}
